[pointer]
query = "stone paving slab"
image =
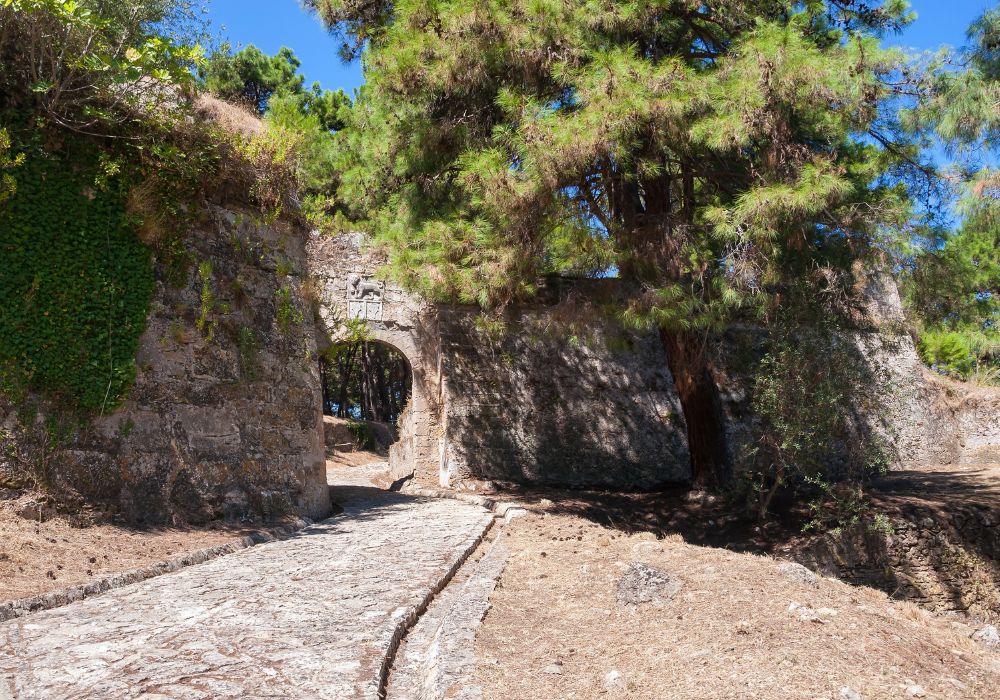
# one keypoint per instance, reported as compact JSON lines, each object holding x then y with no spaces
{"x":312,"y":616}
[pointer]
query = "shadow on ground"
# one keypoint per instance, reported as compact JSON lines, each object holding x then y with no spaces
{"x":938,"y":542}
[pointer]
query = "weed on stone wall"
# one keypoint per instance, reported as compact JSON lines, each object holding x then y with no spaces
{"x":205,"y":324}
{"x":287,"y":314}
{"x":248,"y":347}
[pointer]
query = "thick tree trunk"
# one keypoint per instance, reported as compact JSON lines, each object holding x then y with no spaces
{"x":702,"y":412}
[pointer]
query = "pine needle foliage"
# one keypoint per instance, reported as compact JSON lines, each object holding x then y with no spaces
{"x":952,"y":285}
{"x":685,"y":144}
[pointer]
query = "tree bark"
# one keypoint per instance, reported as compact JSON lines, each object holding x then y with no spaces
{"x":702,"y":412}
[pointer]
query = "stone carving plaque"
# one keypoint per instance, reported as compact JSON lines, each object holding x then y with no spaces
{"x":364,"y":298}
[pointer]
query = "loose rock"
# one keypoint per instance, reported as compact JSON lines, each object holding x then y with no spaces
{"x":614,"y":682}
{"x":642,"y":584}
{"x":988,"y":636}
{"x":33,"y":510}
{"x":805,"y":614}
{"x":798,"y":572}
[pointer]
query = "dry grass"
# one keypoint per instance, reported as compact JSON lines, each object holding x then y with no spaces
{"x":913,"y":612}
{"x":36,"y":557}
{"x":232,"y":118}
{"x":727,"y":634}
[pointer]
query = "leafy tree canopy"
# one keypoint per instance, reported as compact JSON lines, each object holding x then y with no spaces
{"x":98,"y":66}
{"x":698,"y":141}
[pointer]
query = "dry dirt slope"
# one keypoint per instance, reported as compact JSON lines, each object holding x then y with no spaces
{"x":556,"y":630}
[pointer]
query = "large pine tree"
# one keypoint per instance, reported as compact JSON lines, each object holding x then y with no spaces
{"x":709,"y":151}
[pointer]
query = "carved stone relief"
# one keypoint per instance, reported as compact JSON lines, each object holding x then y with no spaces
{"x":364,"y":298}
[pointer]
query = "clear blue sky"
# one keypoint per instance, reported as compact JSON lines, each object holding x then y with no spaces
{"x":271,"y":24}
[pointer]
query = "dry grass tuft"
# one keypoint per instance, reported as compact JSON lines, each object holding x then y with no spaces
{"x":913,"y":613}
{"x":232,"y":118}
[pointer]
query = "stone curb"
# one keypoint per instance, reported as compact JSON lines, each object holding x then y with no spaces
{"x":448,"y":653}
{"x":501,"y":510}
{"x":412,"y":615}
{"x":46,"y":601}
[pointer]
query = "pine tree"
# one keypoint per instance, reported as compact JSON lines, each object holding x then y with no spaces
{"x":709,"y":153}
{"x":953,"y":286}
{"x":253,"y":78}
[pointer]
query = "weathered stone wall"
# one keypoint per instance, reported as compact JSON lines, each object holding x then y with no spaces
{"x":931,"y":420}
{"x":551,"y":393}
{"x":540,"y":404}
{"x":943,"y":553}
{"x":927,"y":420}
{"x":225,"y":420}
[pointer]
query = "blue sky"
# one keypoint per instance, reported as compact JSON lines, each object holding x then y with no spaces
{"x":271,"y":24}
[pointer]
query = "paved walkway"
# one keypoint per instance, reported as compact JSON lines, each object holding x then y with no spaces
{"x":308,"y":617}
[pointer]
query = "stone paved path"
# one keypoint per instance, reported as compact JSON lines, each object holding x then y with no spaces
{"x":308,"y":617}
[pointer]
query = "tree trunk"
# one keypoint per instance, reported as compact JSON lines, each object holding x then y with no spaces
{"x":324,"y":385}
{"x":700,"y":403}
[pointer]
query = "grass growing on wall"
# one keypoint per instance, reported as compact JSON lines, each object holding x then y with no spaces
{"x":75,"y":283}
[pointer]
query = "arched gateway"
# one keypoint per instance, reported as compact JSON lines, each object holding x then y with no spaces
{"x":533,"y":405}
{"x":351,"y":291}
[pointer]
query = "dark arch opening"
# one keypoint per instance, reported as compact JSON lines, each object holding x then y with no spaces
{"x":365,"y":380}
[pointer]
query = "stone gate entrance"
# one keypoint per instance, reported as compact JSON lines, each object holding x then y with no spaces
{"x":532,"y":403}
{"x":350,"y":291}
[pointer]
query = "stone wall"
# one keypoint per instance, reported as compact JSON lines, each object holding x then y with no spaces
{"x":538,"y":404}
{"x":927,"y":419}
{"x":225,"y":420}
{"x":552,"y":393}
{"x":941,"y":548}
{"x":932,"y":420}
{"x":542,"y":405}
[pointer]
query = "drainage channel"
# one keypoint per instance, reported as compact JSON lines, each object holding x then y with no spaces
{"x":434,"y":653}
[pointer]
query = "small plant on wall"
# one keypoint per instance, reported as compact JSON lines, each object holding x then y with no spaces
{"x":287,"y":313}
{"x":205,"y":323}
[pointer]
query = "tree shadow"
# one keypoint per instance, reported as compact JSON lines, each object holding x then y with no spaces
{"x":943,"y":550}
{"x":556,"y":393}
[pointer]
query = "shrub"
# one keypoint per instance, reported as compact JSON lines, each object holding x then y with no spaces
{"x":948,"y":352}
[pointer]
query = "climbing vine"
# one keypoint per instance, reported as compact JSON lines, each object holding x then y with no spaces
{"x":75,"y":284}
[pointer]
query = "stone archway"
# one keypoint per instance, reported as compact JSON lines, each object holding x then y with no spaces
{"x":350,"y":291}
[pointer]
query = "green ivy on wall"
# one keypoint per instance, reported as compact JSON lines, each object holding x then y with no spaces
{"x":75,"y":282}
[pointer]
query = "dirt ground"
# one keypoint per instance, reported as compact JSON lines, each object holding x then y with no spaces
{"x":36,"y":557}
{"x":556,"y":630}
